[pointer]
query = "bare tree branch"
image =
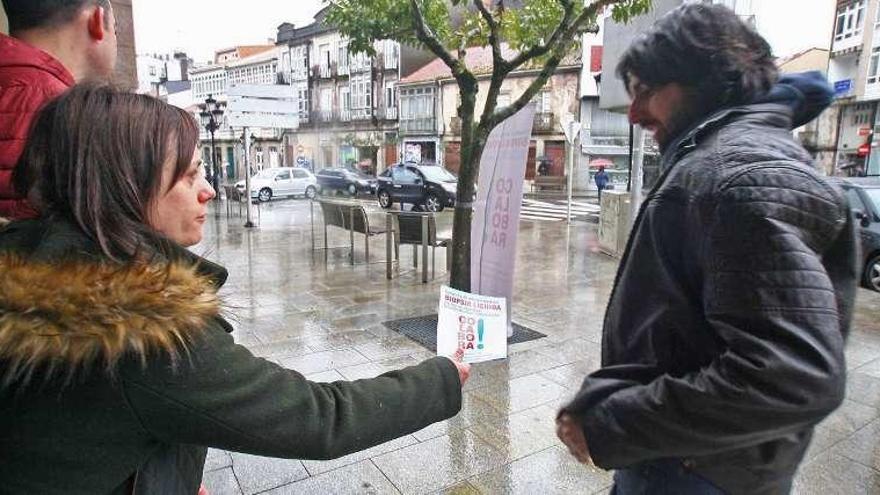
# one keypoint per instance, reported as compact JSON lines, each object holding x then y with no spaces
{"x":503,"y":114}
{"x":561,"y":32}
{"x":426,"y":36}
{"x":499,"y":65}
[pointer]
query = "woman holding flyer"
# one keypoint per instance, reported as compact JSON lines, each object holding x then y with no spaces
{"x":117,"y":367}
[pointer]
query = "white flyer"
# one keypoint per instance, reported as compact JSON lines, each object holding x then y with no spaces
{"x":475,"y":324}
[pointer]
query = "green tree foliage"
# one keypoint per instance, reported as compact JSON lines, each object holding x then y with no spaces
{"x":542,"y":33}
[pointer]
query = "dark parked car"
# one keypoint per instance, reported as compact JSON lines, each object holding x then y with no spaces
{"x":347,"y":180}
{"x":864,"y":199}
{"x":429,"y":187}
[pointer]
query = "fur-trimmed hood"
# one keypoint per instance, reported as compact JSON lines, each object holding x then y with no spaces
{"x":63,"y":317}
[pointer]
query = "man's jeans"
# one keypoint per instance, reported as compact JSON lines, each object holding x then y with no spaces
{"x":666,"y":477}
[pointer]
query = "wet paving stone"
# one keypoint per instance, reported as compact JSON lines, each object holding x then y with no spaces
{"x":438,"y":462}
{"x":256,"y":474}
{"x":221,"y":482}
{"x":363,"y":478}
{"x":317,"y":314}
{"x":550,"y":471}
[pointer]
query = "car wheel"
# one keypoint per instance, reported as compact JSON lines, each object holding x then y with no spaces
{"x":433,"y":204}
{"x":872,"y":274}
{"x":385,"y":200}
{"x":311,"y":192}
{"x":265,"y":194}
{"x":352,"y":190}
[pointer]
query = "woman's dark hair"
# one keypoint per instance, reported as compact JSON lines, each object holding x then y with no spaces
{"x":707,"y":49}
{"x":95,"y":156}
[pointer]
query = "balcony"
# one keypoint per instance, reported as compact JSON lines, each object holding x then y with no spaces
{"x":423,"y":125}
{"x":345,"y":115}
{"x":342,"y":70}
{"x":360,"y":64}
{"x":300,"y":74}
{"x":323,"y":71}
{"x":322,"y":116}
{"x":390,"y":113}
{"x":389,"y":61}
{"x":544,"y":123}
{"x":605,"y":145}
{"x":361,"y":113}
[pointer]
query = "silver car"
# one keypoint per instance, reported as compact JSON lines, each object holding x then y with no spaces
{"x":282,"y":181}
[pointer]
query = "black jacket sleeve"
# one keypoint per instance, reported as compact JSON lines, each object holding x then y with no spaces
{"x":768,"y":299}
{"x":222,"y":396}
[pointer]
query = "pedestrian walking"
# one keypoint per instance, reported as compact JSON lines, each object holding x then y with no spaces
{"x":117,"y":366}
{"x":601,"y":180}
{"x":723,"y":339}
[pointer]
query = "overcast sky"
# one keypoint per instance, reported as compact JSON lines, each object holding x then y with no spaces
{"x":201,"y":26}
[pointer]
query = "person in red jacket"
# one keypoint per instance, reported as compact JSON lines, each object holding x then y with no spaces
{"x":52,"y":45}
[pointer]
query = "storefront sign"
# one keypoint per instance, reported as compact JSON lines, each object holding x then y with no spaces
{"x":842,"y":88}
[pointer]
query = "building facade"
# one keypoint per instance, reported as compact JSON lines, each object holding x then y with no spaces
{"x":430,"y":129}
{"x":854,"y":70}
{"x":348,"y":102}
{"x":156,"y":70}
{"x":251,"y":64}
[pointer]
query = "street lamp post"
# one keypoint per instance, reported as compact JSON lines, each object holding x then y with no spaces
{"x":213,"y":114}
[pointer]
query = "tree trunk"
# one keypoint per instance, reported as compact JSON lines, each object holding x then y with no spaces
{"x":461,"y":228}
{"x":471,"y":150}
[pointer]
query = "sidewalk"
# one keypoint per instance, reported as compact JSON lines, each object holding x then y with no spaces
{"x":324,"y":319}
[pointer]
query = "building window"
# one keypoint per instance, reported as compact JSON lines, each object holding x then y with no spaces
{"x":345,"y":99}
{"x":390,"y":95}
{"x":417,"y":110}
{"x":872,"y":66}
{"x":324,"y":55}
{"x":303,"y":101}
{"x":361,"y":92}
{"x":543,"y":102}
{"x":850,"y":20}
{"x":343,"y":57}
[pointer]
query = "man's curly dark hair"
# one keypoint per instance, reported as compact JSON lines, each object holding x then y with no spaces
{"x":707,"y":49}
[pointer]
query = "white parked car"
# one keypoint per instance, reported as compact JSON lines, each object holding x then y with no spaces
{"x":282,"y":181}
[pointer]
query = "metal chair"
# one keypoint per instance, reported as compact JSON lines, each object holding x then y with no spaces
{"x":416,"y":229}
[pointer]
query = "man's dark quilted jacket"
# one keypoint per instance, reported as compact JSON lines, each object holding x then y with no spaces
{"x":723,"y":340}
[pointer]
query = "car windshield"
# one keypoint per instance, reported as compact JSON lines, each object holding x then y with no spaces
{"x":266,"y":174}
{"x":874,"y":194}
{"x":437,"y":174}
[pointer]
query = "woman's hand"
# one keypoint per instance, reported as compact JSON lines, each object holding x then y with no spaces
{"x":464,"y":369}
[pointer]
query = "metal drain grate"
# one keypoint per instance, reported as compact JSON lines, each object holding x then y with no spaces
{"x":423,"y":329}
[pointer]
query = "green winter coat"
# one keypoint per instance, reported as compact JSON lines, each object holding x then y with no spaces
{"x":117,"y":378}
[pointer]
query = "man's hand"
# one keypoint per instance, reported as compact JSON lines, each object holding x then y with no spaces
{"x":569,"y":430}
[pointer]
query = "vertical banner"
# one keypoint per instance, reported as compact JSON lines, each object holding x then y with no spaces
{"x":477,"y":325}
{"x":495,"y":222}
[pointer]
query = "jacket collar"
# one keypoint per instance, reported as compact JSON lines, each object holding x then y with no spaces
{"x":767,"y":114}
{"x":65,"y":310}
{"x":16,"y":53}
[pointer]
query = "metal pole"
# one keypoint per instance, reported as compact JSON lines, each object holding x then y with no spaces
{"x":214,"y":184}
{"x":571,"y":137}
{"x":247,"y":178}
{"x":570,"y":179}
